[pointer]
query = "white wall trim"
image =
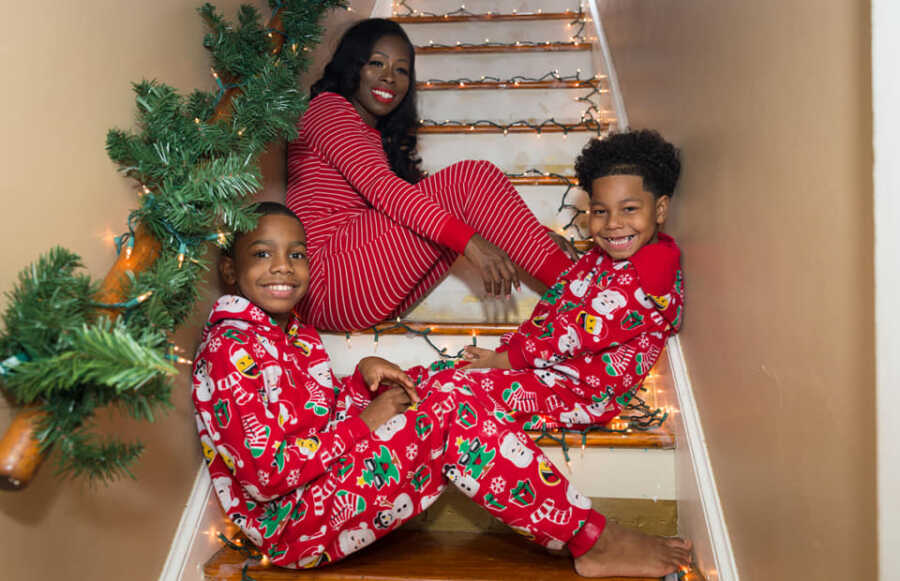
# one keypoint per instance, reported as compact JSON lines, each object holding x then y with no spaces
{"x":610,"y":69}
{"x":694,"y":444}
{"x":886,"y":143}
{"x":188,"y":527}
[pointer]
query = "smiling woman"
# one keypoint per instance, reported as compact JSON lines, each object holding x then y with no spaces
{"x":383,"y":80}
{"x":380,"y":234}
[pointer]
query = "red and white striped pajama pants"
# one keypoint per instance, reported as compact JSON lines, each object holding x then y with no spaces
{"x":373,"y":269}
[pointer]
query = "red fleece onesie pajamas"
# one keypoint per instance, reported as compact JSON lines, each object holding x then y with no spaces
{"x":590,"y":341}
{"x":377,"y":243}
{"x":300,"y":473}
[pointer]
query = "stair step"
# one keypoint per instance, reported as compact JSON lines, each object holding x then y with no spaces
{"x":568,"y":65}
{"x":519,"y":47}
{"x":483,"y":32}
{"x":401,"y":327}
{"x":661,"y":438}
{"x":485,"y":84}
{"x":420,"y":555}
{"x":505,"y":108}
{"x":552,"y":152}
{"x":490,"y":16}
{"x":430,"y":127}
{"x":483,"y":6}
{"x":535,"y":178}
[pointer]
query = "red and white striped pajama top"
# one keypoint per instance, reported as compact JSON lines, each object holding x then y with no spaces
{"x":377,"y":243}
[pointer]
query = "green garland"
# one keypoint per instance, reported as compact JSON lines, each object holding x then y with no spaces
{"x":196,"y":175}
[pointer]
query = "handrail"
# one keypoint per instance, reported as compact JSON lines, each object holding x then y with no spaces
{"x":610,"y":69}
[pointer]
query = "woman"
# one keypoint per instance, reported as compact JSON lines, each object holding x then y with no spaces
{"x":380,"y":234}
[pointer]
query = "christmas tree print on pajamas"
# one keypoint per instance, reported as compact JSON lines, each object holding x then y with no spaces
{"x":303,"y":477}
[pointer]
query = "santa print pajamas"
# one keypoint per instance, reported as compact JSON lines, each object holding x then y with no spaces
{"x":377,"y":243}
{"x":589,"y":343}
{"x":299,"y":472}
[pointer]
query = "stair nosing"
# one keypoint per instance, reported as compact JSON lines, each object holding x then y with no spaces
{"x":543,"y":180}
{"x":489,"y":128}
{"x":486,"y":17}
{"x":487,"y":48}
{"x":462,"y":85}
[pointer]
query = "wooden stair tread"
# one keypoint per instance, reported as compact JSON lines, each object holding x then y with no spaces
{"x":486,"y":17}
{"x":487,"y":48}
{"x":485,"y":85}
{"x":546,"y":127}
{"x":424,"y":556}
{"x":543,"y":180}
{"x":658,"y":438}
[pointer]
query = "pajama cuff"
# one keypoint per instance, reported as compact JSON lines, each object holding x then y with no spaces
{"x":587,"y":535}
{"x":455,"y":234}
{"x":357,"y":380}
{"x":553,"y":267}
{"x":514,"y":352}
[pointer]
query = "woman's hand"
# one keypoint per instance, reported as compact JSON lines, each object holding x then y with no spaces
{"x":387,"y":405}
{"x":485,"y":358}
{"x":497,"y":271}
{"x":375,"y":371}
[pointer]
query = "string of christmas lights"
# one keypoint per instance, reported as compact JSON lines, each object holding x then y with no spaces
{"x":564,"y":204}
{"x":522,"y":124}
{"x":489,"y":44}
{"x":442,"y":352}
{"x":517,"y":80}
{"x":578,"y":19}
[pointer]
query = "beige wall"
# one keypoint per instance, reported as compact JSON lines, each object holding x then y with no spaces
{"x":770,"y":102}
{"x":67,"y":79}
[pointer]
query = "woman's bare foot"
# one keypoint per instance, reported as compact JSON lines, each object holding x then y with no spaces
{"x":620,"y":551}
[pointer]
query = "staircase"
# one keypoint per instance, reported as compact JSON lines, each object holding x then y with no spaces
{"x":513,"y":82}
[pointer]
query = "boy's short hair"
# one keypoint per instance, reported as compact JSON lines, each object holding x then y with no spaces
{"x":261,"y":209}
{"x":641,"y":153}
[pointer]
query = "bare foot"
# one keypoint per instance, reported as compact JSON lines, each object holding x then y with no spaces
{"x":620,"y":551}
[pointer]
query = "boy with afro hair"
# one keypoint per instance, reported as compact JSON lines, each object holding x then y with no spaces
{"x":598,"y":330}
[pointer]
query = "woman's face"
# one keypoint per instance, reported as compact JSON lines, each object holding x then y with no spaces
{"x":383,"y":80}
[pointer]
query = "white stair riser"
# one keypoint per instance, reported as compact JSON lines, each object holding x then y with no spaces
{"x":404,"y":350}
{"x":506,"y":105}
{"x":544,"y":201}
{"x":516,"y":152}
{"x":460,"y":297}
{"x":504,"y":65}
{"x":449,"y":33}
{"x":483,"y":6}
{"x":618,"y":472}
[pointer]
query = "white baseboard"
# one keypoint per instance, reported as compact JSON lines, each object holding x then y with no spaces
{"x":188,"y":528}
{"x":700,"y":516}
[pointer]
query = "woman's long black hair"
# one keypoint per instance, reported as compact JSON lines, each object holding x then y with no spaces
{"x":398,"y":128}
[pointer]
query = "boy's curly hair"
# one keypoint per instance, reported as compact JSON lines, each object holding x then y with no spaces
{"x":641,"y":153}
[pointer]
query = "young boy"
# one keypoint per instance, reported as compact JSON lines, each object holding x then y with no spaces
{"x":312,"y":468}
{"x":596,"y":333}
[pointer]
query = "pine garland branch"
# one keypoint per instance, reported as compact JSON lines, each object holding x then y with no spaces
{"x":196,"y":161}
{"x":102,"y":354}
{"x":101,"y":460}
